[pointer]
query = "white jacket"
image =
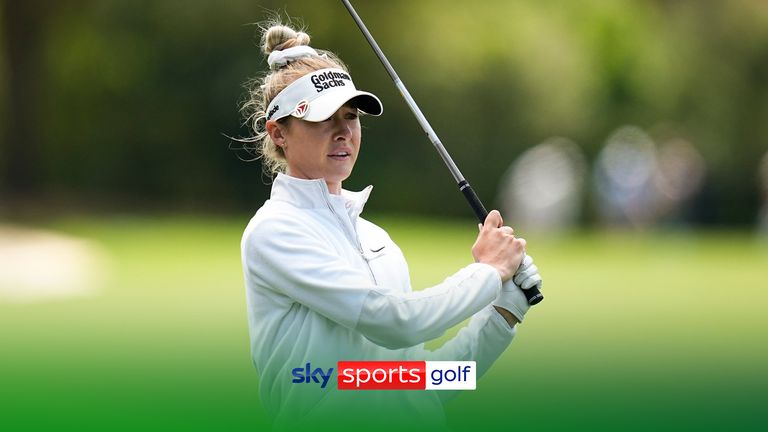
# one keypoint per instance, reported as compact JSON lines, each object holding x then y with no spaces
{"x":323,"y":285}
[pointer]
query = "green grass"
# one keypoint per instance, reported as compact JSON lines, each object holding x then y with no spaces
{"x":639,"y":331}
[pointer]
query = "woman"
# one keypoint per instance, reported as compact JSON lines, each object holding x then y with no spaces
{"x":324,"y":285}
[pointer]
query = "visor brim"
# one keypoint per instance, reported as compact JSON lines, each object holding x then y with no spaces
{"x":324,"y":106}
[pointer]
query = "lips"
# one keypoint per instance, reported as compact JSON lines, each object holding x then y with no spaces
{"x":340,"y":154}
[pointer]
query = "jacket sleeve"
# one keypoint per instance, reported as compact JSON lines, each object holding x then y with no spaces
{"x":300,"y":265}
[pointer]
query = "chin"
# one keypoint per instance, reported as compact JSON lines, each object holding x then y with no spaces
{"x":341,"y":173}
{"x":339,"y":176}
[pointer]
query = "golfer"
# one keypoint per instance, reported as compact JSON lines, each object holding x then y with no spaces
{"x":323,"y":284}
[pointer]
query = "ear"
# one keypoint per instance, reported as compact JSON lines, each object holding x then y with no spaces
{"x":276,"y":131}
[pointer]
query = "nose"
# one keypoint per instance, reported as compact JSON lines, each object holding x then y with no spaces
{"x":342,"y":129}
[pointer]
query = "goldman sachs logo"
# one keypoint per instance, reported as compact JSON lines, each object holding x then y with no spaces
{"x":329,"y":79}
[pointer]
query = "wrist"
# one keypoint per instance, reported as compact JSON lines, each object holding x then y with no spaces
{"x":504,"y":274}
{"x":512,"y":300}
{"x":507,"y":315}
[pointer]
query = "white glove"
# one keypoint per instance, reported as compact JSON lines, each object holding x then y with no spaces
{"x":527,"y":276}
{"x":511,"y":296}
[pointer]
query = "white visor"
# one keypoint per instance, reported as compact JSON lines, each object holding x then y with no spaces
{"x":316,"y":96}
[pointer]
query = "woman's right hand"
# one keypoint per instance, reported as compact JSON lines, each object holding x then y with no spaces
{"x":497,"y":246}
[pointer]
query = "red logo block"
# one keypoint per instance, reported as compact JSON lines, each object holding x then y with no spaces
{"x":382,"y":375}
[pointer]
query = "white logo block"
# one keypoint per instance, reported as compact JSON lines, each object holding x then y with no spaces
{"x":451,"y":375}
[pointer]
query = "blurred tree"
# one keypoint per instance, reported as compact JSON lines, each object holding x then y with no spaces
{"x":118,"y":101}
{"x":23,"y":24}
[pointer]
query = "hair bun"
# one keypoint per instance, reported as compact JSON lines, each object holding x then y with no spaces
{"x":279,"y":37}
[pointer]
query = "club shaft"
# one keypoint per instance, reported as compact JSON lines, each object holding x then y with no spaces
{"x":534,"y":295}
{"x":407,"y":96}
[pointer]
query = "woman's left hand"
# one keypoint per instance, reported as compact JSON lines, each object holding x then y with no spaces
{"x":511,"y":297}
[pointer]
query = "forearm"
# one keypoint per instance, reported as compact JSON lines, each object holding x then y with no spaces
{"x":399,"y":321}
{"x":483,"y":340}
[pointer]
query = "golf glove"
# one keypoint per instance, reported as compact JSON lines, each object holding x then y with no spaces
{"x":527,"y":276}
{"x":511,"y":296}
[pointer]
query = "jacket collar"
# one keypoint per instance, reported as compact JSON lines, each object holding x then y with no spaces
{"x":314,"y":194}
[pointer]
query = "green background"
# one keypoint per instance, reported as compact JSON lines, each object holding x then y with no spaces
{"x":115,"y":117}
{"x":652,"y":331}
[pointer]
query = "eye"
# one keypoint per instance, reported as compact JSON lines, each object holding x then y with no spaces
{"x":351,"y":115}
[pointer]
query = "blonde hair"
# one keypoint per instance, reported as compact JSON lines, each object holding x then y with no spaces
{"x":262,"y":89}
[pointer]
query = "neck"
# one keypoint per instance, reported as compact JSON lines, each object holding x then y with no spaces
{"x":334,"y":188}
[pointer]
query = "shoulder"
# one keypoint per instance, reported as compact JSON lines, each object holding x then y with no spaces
{"x":274,"y":220}
{"x":364,"y":225}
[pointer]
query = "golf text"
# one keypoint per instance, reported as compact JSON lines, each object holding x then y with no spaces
{"x":406,"y":375}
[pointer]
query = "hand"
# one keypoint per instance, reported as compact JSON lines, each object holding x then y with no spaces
{"x":511,"y":296}
{"x":527,"y":275}
{"x":497,"y":246}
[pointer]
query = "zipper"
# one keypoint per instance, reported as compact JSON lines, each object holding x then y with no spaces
{"x":352,"y":237}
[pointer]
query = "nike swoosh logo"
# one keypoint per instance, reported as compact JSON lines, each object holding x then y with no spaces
{"x":378,"y":250}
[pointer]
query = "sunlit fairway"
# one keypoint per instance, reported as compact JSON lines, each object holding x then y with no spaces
{"x":638,"y":331}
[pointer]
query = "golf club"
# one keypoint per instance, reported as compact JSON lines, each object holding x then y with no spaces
{"x":533,"y":294}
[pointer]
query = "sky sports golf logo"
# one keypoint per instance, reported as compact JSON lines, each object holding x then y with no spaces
{"x":393,"y":375}
{"x":407,"y":375}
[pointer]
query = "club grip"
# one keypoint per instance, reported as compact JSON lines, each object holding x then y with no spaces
{"x":533,"y":294}
{"x":473,"y":201}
